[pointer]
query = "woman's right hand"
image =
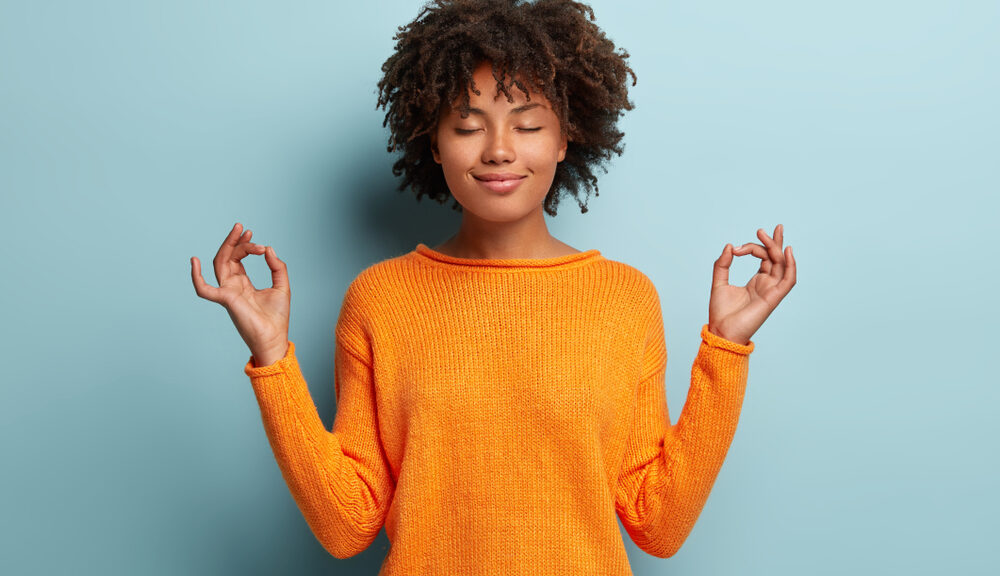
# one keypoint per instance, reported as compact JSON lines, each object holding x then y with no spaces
{"x":260,"y":316}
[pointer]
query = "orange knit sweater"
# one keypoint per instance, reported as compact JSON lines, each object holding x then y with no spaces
{"x":495,"y":414}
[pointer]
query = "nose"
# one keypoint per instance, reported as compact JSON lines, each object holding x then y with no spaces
{"x":499,"y":149}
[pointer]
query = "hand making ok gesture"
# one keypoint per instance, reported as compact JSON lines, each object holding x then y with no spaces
{"x":260,"y":316}
{"x":736,"y":312}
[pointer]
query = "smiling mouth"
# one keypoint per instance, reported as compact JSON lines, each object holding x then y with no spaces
{"x":500,"y":183}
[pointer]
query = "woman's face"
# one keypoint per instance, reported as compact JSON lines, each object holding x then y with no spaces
{"x":499,"y":162}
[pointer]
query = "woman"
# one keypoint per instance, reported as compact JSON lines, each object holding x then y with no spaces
{"x":500,"y":397}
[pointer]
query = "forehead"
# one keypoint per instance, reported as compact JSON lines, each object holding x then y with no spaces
{"x":490,"y":95}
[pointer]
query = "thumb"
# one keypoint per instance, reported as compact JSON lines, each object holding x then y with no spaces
{"x":279,"y":272}
{"x":720,"y":273}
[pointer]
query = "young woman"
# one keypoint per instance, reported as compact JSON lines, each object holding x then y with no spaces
{"x":500,"y":396}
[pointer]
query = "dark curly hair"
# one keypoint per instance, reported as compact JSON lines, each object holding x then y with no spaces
{"x":551,"y":47}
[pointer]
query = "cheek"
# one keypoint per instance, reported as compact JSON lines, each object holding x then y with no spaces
{"x":452,"y":153}
{"x":546,"y":154}
{"x":450,"y":161}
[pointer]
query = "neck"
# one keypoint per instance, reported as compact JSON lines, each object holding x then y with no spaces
{"x":525,"y":238}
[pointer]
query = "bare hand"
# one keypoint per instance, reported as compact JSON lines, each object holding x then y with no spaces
{"x":260,"y":316}
{"x":736,"y":312}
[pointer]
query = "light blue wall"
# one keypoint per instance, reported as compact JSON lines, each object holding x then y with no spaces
{"x":133,"y":135}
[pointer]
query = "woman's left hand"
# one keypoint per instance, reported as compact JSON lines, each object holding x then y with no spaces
{"x":736,"y":312}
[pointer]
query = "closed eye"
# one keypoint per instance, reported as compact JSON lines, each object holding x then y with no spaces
{"x":466,"y":130}
{"x":530,"y":129}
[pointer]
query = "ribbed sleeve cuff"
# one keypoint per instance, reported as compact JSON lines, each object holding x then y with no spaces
{"x":720,"y":342}
{"x":284,"y":365}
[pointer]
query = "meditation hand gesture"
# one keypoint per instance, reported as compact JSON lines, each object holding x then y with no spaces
{"x":736,"y":312}
{"x":260,"y":316}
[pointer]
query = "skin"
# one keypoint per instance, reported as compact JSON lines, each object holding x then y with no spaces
{"x":737,"y":312}
{"x":260,"y":316}
{"x":521,"y":137}
{"x":500,"y":138}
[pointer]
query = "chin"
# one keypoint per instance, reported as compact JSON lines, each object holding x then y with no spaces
{"x":501,"y":211}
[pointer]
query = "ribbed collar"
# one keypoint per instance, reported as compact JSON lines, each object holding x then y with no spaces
{"x":553,"y":263}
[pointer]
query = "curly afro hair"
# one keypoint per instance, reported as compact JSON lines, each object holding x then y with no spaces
{"x":551,"y":47}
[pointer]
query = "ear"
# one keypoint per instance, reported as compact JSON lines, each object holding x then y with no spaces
{"x":434,"y":147}
{"x":563,"y":143}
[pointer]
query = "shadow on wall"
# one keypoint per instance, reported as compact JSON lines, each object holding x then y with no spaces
{"x":388,"y":222}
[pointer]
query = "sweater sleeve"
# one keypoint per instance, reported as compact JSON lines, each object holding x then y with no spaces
{"x":669,"y":470}
{"x":340,"y":479}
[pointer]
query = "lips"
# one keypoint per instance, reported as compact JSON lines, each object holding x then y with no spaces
{"x":495,"y":177}
{"x":503,"y":182}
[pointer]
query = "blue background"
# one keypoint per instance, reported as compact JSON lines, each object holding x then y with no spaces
{"x":133,"y":135}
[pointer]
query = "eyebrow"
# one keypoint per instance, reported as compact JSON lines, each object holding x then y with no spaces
{"x":518,"y":110}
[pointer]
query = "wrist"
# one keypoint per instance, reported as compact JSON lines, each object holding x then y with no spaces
{"x":269,"y":355}
{"x":735,"y":339}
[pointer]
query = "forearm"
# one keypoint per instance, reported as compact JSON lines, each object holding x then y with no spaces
{"x":334,"y":501}
{"x":695,"y":448}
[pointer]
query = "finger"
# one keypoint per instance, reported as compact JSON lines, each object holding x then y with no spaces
{"x":247,"y":246}
{"x":202,"y":288}
{"x":774,"y":253}
{"x":752,"y":249}
{"x":779,"y":239}
{"x":758,"y":251}
{"x":720,"y":271}
{"x":243,"y":249}
{"x":221,"y":260}
{"x":240,"y":251}
{"x":788,"y":279}
{"x":279,"y":272}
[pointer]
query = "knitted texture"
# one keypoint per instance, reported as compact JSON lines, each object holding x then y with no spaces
{"x":496,"y":414}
